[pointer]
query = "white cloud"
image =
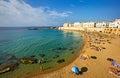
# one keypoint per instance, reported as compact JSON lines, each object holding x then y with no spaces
{"x":19,"y":13}
{"x":64,"y":14}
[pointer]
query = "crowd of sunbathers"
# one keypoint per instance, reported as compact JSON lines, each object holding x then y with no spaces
{"x":116,"y":69}
{"x":96,"y":41}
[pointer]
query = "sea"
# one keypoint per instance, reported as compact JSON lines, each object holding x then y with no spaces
{"x":51,"y":46}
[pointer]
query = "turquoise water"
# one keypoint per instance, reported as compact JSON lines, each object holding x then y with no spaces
{"x":26,"y":43}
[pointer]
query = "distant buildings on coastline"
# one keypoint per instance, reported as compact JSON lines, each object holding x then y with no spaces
{"x":106,"y":27}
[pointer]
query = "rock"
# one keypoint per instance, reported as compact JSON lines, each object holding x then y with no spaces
{"x":29,"y":60}
{"x":60,"y":48}
{"x":56,"y":56}
{"x":72,"y":52}
{"x":6,"y":69}
{"x":32,"y":56}
{"x":42,"y":55}
{"x":61,"y":61}
{"x":10,"y":66}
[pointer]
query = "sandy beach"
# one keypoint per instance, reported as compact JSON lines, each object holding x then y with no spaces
{"x":95,"y":68}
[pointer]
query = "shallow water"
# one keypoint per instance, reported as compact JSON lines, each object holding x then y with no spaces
{"x":52,"y":44}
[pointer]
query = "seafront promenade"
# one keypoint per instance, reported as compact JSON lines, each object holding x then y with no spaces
{"x":99,"y":47}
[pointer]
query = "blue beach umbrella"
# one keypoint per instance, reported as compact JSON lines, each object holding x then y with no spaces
{"x":75,"y":69}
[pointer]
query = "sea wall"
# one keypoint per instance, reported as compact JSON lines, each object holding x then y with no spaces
{"x":104,"y":30}
{"x":71,"y":28}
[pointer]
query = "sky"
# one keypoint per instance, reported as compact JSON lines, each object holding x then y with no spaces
{"x":22,"y":13}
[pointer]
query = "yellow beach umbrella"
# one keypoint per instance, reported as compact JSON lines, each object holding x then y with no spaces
{"x":86,"y":56}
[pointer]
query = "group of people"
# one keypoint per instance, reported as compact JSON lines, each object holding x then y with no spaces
{"x":116,"y":69}
{"x":96,"y":41}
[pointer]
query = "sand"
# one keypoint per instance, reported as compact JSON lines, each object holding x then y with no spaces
{"x":96,"y":68}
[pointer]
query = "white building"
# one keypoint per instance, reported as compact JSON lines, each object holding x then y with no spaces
{"x":112,"y":25}
{"x":89,"y":25}
{"x":78,"y":24}
{"x":117,"y":23}
{"x":67,"y":25}
{"x":101,"y":25}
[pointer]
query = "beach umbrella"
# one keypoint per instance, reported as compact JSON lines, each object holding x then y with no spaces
{"x":101,"y":46}
{"x":75,"y":69}
{"x":86,"y":56}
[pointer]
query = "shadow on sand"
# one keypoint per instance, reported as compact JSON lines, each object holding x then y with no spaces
{"x":83,"y":70}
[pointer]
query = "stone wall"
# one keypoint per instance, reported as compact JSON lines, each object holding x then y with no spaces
{"x":71,"y":28}
{"x":104,"y":30}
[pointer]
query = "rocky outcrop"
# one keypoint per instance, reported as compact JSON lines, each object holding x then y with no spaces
{"x":29,"y":60}
{"x":61,"y":61}
{"x":41,"y":55}
{"x":10,"y":66}
{"x":56,"y":56}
